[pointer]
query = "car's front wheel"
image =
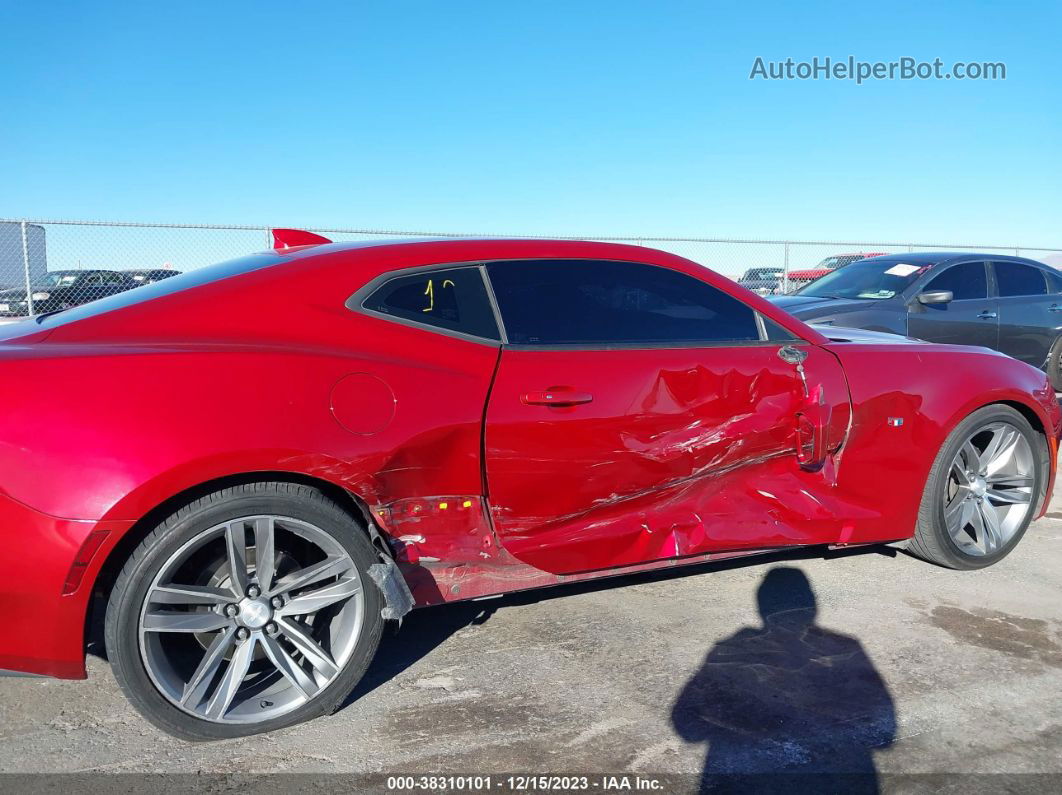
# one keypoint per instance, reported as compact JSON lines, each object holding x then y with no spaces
{"x":245,"y":611}
{"x":983,"y":490}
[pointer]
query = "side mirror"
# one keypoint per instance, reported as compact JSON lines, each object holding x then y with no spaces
{"x":936,"y":297}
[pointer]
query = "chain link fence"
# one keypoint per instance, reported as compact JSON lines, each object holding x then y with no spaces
{"x":50,"y":265}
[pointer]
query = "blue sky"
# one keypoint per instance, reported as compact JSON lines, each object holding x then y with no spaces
{"x":565,"y":118}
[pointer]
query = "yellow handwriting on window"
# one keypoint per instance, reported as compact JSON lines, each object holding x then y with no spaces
{"x":430,"y":292}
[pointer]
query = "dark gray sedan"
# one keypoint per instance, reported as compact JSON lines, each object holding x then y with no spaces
{"x":1011,"y":304}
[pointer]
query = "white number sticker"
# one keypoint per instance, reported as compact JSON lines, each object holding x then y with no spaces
{"x":901,"y":270}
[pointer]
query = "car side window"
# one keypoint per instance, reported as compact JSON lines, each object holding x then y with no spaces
{"x":774,"y":332}
{"x":591,"y":302}
{"x":1016,"y":278}
{"x":454,"y":299}
{"x":966,"y":281}
{"x":1054,"y":281}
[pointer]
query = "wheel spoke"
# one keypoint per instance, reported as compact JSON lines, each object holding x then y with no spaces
{"x":264,"y":554}
{"x":966,"y":516}
{"x":317,"y":657}
{"x":971,"y":459}
{"x":998,"y":455}
{"x":206,"y":621}
{"x":959,"y":471}
{"x":231,"y":680}
{"x":977,"y":523}
{"x":236,"y":543}
{"x":993,"y":534}
{"x":190,"y":595}
{"x":1008,"y":496}
{"x":311,"y":602}
{"x":995,"y":443}
{"x":1003,"y":479}
{"x":956,"y":509}
{"x":329,"y":567}
{"x":287,"y":666}
{"x":208,"y":666}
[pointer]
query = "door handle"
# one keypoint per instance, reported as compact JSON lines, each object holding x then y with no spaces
{"x":1054,"y":308}
{"x":987,"y":315}
{"x":556,"y":397}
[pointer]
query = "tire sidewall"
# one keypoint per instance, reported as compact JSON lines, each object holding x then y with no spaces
{"x":956,"y":439}
{"x":123,"y":611}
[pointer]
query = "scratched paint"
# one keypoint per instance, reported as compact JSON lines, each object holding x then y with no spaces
{"x":448,"y":555}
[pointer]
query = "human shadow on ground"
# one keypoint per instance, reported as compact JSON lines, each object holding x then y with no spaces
{"x":787,"y":706}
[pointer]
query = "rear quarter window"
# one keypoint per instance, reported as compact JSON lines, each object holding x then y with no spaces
{"x":454,"y":299}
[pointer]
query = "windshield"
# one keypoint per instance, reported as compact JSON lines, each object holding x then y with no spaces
{"x":58,"y":279}
{"x":830,"y":263}
{"x":762,"y":273}
{"x":878,"y":279}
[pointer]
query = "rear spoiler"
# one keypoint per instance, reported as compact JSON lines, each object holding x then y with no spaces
{"x":289,"y":238}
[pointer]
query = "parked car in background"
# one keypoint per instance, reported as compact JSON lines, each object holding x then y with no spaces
{"x":449,"y":420}
{"x":799,"y":278}
{"x":63,"y":289}
{"x":152,"y":275}
{"x":765,"y":281}
{"x":1010,"y":304}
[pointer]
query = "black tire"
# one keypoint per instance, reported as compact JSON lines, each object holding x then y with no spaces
{"x":131,"y":587}
{"x":1054,"y":365}
{"x":931,"y":541}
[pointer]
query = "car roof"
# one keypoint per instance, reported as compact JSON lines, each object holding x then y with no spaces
{"x":83,"y":270}
{"x":501,"y":249}
{"x":357,"y":263}
{"x":939,"y":257}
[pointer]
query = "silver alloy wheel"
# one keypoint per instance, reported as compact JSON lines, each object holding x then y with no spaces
{"x":989,"y":491}
{"x":251,"y":619}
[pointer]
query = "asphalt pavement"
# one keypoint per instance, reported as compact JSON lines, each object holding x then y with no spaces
{"x":878,"y":661}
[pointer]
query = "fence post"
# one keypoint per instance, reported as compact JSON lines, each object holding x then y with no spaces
{"x":26,"y":270}
{"x":785,"y":271}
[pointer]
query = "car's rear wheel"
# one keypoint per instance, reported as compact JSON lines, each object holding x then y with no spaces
{"x":983,"y":490}
{"x":248,"y":610}
{"x":1054,"y":365}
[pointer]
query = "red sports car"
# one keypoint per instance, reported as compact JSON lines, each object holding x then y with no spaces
{"x":259,"y":462}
